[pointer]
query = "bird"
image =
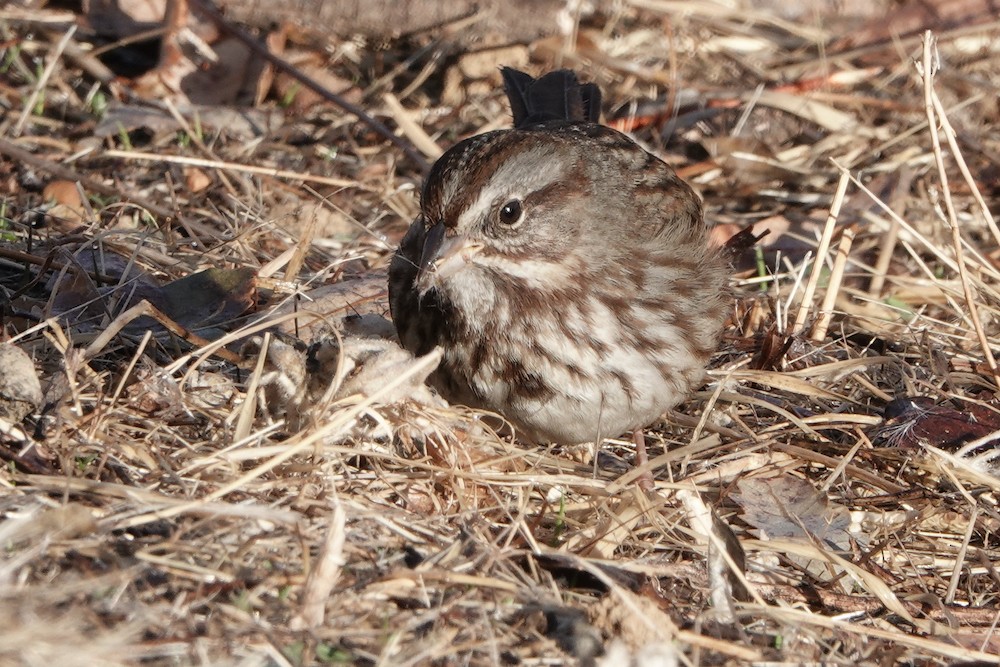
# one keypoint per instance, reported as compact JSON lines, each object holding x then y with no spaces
{"x":565,"y":272}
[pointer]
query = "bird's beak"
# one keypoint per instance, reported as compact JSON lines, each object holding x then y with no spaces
{"x":444,"y":253}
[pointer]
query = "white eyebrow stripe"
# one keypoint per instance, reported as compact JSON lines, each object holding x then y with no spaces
{"x":530,"y":171}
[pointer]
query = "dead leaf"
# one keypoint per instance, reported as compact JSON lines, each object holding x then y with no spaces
{"x":197,"y":302}
{"x":20,"y":389}
{"x":102,"y":284}
{"x":967,"y":430}
{"x":789,"y":507}
{"x":63,"y":192}
{"x":359,"y":296}
{"x":196,"y":179}
{"x":913,"y":421}
{"x":209,"y":298}
{"x":230,"y":79}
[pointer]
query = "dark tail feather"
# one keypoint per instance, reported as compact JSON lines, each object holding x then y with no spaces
{"x":558,"y":95}
{"x":516,"y":84}
{"x":590,"y":95}
{"x":743,"y":241}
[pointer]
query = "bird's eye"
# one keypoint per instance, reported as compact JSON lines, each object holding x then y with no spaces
{"x":510,"y":213}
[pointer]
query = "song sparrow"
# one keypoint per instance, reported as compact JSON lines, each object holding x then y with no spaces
{"x":564,"y":271}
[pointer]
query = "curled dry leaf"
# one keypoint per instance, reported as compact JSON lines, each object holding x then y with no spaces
{"x":20,"y":390}
{"x":63,"y":192}
{"x":64,"y":208}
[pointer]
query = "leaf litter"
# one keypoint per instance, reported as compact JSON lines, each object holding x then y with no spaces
{"x":215,"y":451}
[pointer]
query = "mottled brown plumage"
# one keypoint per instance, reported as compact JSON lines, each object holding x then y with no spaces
{"x":564,"y":270}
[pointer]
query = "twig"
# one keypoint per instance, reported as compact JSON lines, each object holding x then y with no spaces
{"x":145,"y":308}
{"x":824,"y":247}
{"x":960,"y":564}
{"x":50,"y":67}
{"x":411,"y":129}
{"x":233,"y":166}
{"x":928,"y":68}
{"x":833,"y":288}
{"x":956,"y":153}
{"x":890,"y":238}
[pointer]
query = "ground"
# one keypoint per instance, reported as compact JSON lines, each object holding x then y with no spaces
{"x":215,"y":453}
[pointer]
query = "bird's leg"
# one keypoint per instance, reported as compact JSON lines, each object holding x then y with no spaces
{"x":645,"y":480}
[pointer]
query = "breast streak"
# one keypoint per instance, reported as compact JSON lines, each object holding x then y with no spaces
{"x":598,"y":378}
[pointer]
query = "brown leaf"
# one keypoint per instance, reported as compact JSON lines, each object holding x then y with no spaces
{"x":205,"y":299}
{"x":85,"y":300}
{"x":67,"y":211}
{"x":63,"y":192}
{"x":361,"y":296}
{"x":789,"y":507}
{"x":210,"y":298}
{"x":913,"y":421}
{"x":20,"y":390}
{"x":196,"y":179}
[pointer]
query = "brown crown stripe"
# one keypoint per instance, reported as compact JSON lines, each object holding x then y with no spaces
{"x":468,"y":161}
{"x":471,"y":156}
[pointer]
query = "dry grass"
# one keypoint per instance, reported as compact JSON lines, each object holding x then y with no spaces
{"x":163,"y":508}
